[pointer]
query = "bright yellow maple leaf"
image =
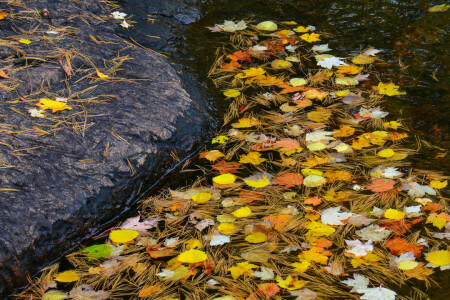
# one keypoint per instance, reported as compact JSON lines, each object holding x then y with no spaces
{"x":245,"y":123}
{"x":251,"y":72}
{"x":192,"y":256}
{"x":438,"y":221}
{"x":343,"y":131}
{"x":221,"y":139}
{"x":302,"y":29}
{"x":389,"y":89}
{"x":291,"y":283}
{"x":301,"y":266}
{"x":212,"y":155}
{"x":55,"y":106}
{"x":311,"y":37}
{"x":243,"y":268}
{"x":436,"y":184}
{"x":253,"y":158}
{"x":315,"y":254}
{"x":349,"y":69}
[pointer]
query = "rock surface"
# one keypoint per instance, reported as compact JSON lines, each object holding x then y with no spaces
{"x":65,"y":174}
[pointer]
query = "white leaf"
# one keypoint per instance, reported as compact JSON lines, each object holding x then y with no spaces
{"x":204,"y":223}
{"x":332,"y":216}
{"x":118,"y":15}
{"x":391,"y":172}
{"x":125,"y":24}
{"x":171,"y":242}
{"x":219,"y":239}
{"x":358,"y":248}
{"x":378,"y":293}
{"x":321,"y":48}
{"x":264,"y":274}
{"x":330,"y":62}
{"x":374,"y":233}
{"x":361,"y":77}
{"x":371,"y":52}
{"x":166,"y":273}
{"x":359,"y":282}
{"x":141,"y":227}
{"x":230,"y":26}
{"x":319,"y":135}
{"x":304,"y":294}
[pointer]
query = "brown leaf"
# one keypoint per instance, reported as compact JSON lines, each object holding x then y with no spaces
{"x":289,"y":180}
{"x":246,"y":196}
{"x":420,"y":272}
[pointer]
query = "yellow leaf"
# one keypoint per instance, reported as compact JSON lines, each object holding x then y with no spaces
{"x":226,"y":178}
{"x":227,"y":228}
{"x":257,"y":181}
{"x":253,"y":158}
{"x":314,"y":254}
{"x":317,"y":146}
{"x":231,"y":93}
{"x":407,"y":265}
{"x":290,"y":283}
{"x":280,"y":64}
{"x":389,"y":89}
{"x":319,"y":115}
{"x":394,"y":214}
{"x":192,"y":256}
{"x":252,"y":72}
{"x":193,"y":243}
{"x":363,"y":59}
{"x":386,"y":153}
{"x":298,"y":81}
{"x":101,"y":75}
{"x":439,"y":258}
{"x":392,"y":124}
{"x":147,"y":291}
{"x":3,"y":15}
{"x":25,"y":41}
{"x":54,"y":295}
{"x":346,"y":81}
{"x":301,"y":29}
{"x":212,"y":155}
{"x":242,"y":212}
{"x":435,"y":184}
{"x":67,"y":276}
{"x":301,"y":266}
{"x":312,"y":37}
{"x":343,"y":131}
{"x":226,"y":218}
{"x":256,"y":238}
{"x":289,"y":23}
{"x":244,"y":268}
{"x":308,"y":171}
{"x":221,"y":139}
{"x":123,"y":236}
{"x":201,"y":197}
{"x":267,"y":26}
{"x":316,"y":94}
{"x":349,"y":69}
{"x":342,"y":93}
{"x":314,"y":181}
{"x":245,"y":123}
{"x":55,"y":106}
{"x":437,"y":220}
{"x":439,"y":8}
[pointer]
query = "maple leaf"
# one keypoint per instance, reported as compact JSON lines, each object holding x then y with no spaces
{"x":389,"y":89}
{"x":359,"y":282}
{"x":358,"y":248}
{"x":333,"y":176}
{"x":313,"y":200}
{"x":311,"y":37}
{"x":141,"y":227}
{"x":278,"y":222}
{"x":381,"y":185}
{"x":330,"y":62}
{"x":315,"y":254}
{"x":304,"y":294}
{"x":55,"y":106}
{"x":253,"y":158}
{"x":268,"y":289}
{"x":86,"y":292}
{"x":244,"y":268}
{"x":227,"y":167}
{"x":264,"y":274}
{"x":291,"y":283}
{"x":230,"y":26}
{"x":212,"y":155}
{"x":374,"y":233}
{"x":286,"y":144}
{"x":149,"y":290}
{"x":399,"y":246}
{"x":321,"y":114}
{"x":332,"y":216}
{"x":289,"y":180}
{"x":240,"y":55}
{"x":258,"y":180}
{"x":343,"y":131}
{"x":420,"y":272}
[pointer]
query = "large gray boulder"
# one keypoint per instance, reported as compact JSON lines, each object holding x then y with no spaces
{"x":61,"y":177}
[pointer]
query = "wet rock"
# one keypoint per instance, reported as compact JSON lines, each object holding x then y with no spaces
{"x":63,"y":176}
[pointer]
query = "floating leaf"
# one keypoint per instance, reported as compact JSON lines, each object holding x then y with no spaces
{"x":231,"y":93}
{"x":67,"y":276}
{"x":201,"y":197}
{"x":123,"y":236}
{"x":225,"y":179}
{"x":267,"y":26}
{"x":256,"y":238}
{"x":439,"y":258}
{"x":192,"y":256}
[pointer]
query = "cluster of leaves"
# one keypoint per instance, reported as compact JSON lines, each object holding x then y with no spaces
{"x":310,"y":196}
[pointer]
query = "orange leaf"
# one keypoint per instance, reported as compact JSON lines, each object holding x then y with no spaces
{"x":268,"y":289}
{"x":313,"y":200}
{"x":233,"y":65}
{"x":240,"y":55}
{"x":333,"y":176}
{"x":399,"y":227}
{"x":381,"y":185}
{"x":289,"y":180}
{"x":287,"y":144}
{"x":323,"y":243}
{"x":278,"y":222}
{"x":399,"y":246}
{"x":294,"y":89}
{"x":161,"y":253}
{"x":149,"y":290}
{"x":246,"y":196}
{"x":226,"y":167}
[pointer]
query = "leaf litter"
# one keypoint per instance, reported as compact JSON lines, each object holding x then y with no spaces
{"x":309,"y":195}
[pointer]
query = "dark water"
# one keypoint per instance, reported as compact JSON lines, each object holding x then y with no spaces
{"x":415,"y":56}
